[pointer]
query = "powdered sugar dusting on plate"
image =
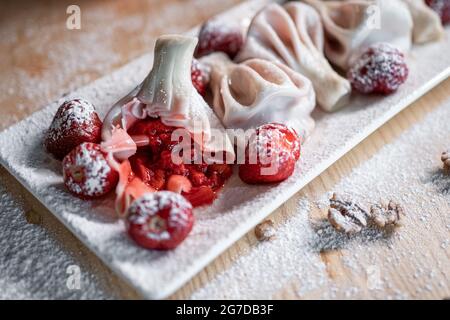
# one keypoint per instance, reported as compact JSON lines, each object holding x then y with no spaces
{"x":407,"y":171}
{"x":33,"y":263}
{"x":239,"y":206}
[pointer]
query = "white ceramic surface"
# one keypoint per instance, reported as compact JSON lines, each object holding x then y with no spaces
{"x":239,"y":207}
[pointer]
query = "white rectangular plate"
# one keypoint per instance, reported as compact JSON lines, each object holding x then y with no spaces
{"x":239,"y":207}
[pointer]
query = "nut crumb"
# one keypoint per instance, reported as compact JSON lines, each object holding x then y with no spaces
{"x":265,"y":231}
{"x":386,"y":214}
{"x":445,"y":157}
{"x":346,"y":215}
{"x":33,"y":217}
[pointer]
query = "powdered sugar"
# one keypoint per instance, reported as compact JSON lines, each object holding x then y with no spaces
{"x":266,"y":268}
{"x":239,"y":206}
{"x":33,"y":262}
{"x":408,"y":170}
{"x":217,"y":35}
{"x":151,"y":204}
{"x":380,"y":69}
{"x":75,"y":115}
{"x":94,"y":169}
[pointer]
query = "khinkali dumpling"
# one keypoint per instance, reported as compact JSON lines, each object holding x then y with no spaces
{"x":257,"y":91}
{"x":352,"y":26}
{"x":167,"y":92}
{"x":293,"y":35}
{"x":427,"y":25}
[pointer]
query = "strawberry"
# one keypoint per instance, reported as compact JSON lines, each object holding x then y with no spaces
{"x":199,"y":196}
{"x":218,"y":174}
{"x":160,"y":220}
{"x":442,"y":8}
{"x":199,"y":77}
{"x":151,"y":176}
{"x":158,"y":133}
{"x":169,"y":166}
{"x":75,"y":122}
{"x":224,"y":170}
{"x":380,"y":69}
{"x":270,"y":155}
{"x":178,"y":184}
{"x":154,"y":166}
{"x":87,"y":174}
{"x":219,"y":36}
{"x":198,"y":178}
{"x":158,"y":179}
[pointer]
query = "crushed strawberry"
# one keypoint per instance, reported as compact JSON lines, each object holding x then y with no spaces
{"x":199,"y":77}
{"x":380,"y":69}
{"x":129,"y":186}
{"x":200,"y":196}
{"x":160,"y":220}
{"x":75,"y":122}
{"x":153,"y":164}
{"x":442,"y":8}
{"x":270,"y":155}
{"x":87,"y":173}
{"x":178,"y":184}
{"x":219,"y":36}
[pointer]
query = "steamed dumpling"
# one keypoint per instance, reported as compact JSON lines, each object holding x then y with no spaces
{"x":293,"y":35}
{"x":352,"y":26}
{"x":256,"y":92}
{"x":427,"y":25}
{"x":167,"y":92}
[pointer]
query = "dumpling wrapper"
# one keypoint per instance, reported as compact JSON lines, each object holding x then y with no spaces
{"x":352,"y":26}
{"x":293,"y":35}
{"x":256,"y":92}
{"x":167,"y":92}
{"x":427,"y":26}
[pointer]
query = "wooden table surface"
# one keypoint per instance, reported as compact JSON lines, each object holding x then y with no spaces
{"x":40,"y":60}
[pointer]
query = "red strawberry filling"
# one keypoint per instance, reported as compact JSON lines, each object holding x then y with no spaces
{"x":160,"y":220}
{"x":154,"y":166}
{"x":270,"y":155}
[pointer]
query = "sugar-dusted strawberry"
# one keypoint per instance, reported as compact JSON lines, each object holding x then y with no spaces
{"x":87,"y":174}
{"x":75,"y":122}
{"x":216,"y":35}
{"x":380,"y":69}
{"x":442,"y":8}
{"x":270,"y":155}
{"x":160,"y":220}
{"x":199,"y":77}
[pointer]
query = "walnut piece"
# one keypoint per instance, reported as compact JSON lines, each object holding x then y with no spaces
{"x":265,"y":231}
{"x":346,"y":215}
{"x":446,"y":160}
{"x":385,"y":215}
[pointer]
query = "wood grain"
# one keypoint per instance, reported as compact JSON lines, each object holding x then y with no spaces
{"x":25,"y":59}
{"x":41,"y":59}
